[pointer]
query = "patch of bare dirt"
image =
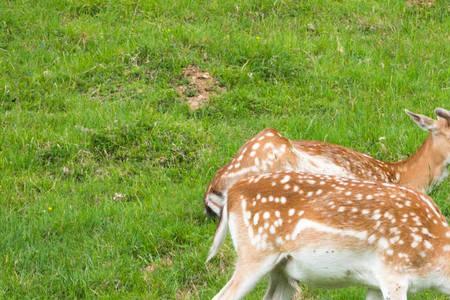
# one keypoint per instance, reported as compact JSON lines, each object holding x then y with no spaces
{"x":165,"y":262}
{"x":423,"y":3}
{"x":187,"y":294}
{"x":200,"y":86}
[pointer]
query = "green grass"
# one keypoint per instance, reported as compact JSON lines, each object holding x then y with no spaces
{"x":88,"y":109}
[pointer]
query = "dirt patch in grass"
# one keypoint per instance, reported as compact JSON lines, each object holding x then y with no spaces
{"x":425,"y":3}
{"x":187,"y":293}
{"x":165,"y":262}
{"x":198,"y":87}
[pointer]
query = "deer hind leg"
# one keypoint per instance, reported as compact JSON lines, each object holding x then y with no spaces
{"x":248,"y":272}
{"x":280,"y":286}
{"x":373,"y":294}
{"x":394,"y":289}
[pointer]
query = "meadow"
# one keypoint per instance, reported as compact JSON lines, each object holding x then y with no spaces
{"x":103,"y":166}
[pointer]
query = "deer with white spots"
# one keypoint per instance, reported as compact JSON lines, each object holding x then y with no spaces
{"x":329,"y":231}
{"x":268,"y":151}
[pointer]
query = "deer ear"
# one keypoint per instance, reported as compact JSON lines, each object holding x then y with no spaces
{"x":422,"y":121}
{"x":443,"y":114}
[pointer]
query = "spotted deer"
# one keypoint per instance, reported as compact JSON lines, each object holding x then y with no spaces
{"x":329,"y":231}
{"x":268,"y":151}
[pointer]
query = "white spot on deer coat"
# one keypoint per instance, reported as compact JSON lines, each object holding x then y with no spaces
{"x":285,"y":179}
{"x":256,"y":219}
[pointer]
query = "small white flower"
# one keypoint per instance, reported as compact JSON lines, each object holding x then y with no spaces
{"x":119,"y":196}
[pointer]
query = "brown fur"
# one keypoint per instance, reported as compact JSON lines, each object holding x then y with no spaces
{"x":326,"y":209}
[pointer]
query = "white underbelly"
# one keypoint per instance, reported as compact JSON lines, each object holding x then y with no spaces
{"x":328,"y":267}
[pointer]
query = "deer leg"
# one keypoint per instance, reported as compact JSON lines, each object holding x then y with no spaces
{"x":280,"y":286}
{"x":394,"y":290}
{"x":373,"y":294}
{"x":247,"y":273}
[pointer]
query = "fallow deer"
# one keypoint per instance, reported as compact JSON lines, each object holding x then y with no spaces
{"x":329,"y":231}
{"x":268,"y":151}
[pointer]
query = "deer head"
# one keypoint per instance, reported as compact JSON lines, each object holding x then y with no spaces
{"x":434,"y":156}
{"x":439,"y":129}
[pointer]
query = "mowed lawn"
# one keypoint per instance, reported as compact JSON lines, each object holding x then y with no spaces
{"x":103,"y":167}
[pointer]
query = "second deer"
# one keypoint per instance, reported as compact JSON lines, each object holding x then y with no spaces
{"x":268,"y":151}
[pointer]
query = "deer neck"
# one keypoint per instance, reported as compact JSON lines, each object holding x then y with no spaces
{"x":423,"y":169}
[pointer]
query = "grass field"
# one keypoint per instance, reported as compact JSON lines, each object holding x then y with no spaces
{"x":103,"y":168}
